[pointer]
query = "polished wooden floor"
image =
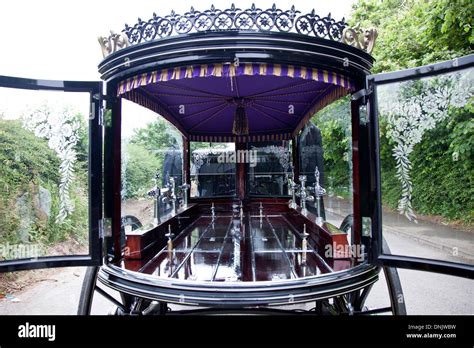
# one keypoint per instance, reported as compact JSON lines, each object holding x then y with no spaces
{"x":255,"y":248}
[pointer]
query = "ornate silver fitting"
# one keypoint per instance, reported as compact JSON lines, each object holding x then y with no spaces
{"x":319,"y":192}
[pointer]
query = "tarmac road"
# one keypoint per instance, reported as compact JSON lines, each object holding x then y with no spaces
{"x":425,"y":292}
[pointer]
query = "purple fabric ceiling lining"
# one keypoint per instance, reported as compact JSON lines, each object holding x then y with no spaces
{"x":202,"y":101}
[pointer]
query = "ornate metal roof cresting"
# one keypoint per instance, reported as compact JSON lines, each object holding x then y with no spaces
{"x":235,"y":19}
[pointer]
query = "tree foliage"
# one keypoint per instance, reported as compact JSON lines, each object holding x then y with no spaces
{"x":144,"y":154}
{"x":141,"y":166}
{"x":157,"y":135}
{"x":334,"y":121}
{"x":416,"y":32}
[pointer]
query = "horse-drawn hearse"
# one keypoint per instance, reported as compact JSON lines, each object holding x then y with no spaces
{"x":244,"y":215}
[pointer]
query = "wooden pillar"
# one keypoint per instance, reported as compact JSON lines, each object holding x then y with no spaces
{"x":356,"y":201}
{"x":360,"y":168}
{"x":240,"y":172}
{"x":115,"y":177}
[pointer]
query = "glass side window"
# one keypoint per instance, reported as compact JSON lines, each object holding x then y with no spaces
{"x":325,"y":147}
{"x":426,"y":131}
{"x":44,"y":189}
{"x":151,"y":165}
{"x":212,"y":169}
{"x":269,"y":165}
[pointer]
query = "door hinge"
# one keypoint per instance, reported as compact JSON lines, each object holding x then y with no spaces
{"x":101,"y":228}
{"x":105,"y":228}
{"x":366,"y":226}
{"x":363,"y":114}
{"x":102,"y":97}
{"x":101,"y":115}
{"x":92,"y":111}
{"x":101,"y":109}
{"x":363,"y":93}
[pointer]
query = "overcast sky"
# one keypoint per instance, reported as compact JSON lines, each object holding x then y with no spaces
{"x":54,"y":39}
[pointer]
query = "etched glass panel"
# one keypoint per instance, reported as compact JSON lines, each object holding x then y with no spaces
{"x":427,"y":155}
{"x":44,"y":152}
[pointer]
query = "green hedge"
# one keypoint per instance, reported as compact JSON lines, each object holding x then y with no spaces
{"x":26,"y":164}
{"x":443,"y":163}
{"x":443,"y":169}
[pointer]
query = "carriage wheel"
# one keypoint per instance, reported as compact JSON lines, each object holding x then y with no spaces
{"x":87,"y":291}
{"x":394,"y":285}
{"x":130,"y":220}
{"x":129,"y":304}
{"x":357,"y":300}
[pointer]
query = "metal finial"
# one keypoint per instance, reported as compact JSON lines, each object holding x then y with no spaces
{"x":170,"y":234}
{"x":304,"y":245}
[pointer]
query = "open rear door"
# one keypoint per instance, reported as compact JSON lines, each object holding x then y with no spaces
{"x":422,"y":121}
{"x":50,"y":173}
